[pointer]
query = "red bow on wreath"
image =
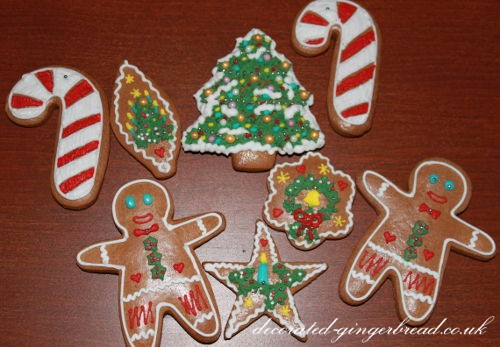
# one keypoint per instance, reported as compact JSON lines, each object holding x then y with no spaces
{"x":308,"y":221}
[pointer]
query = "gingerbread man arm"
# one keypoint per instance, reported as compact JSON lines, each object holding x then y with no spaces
{"x":381,"y":189}
{"x":467,"y":238}
{"x":200,"y":228}
{"x":102,"y":256}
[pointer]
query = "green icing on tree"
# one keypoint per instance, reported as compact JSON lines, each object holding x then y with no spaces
{"x":275,"y":293}
{"x":254,"y":98}
{"x":154,"y":258}
{"x":308,"y":217}
{"x":148,"y":123}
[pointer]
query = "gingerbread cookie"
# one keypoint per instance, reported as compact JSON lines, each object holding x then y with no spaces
{"x":265,"y":286}
{"x":353,"y":81}
{"x":412,"y":237}
{"x":253,"y":107}
{"x":82,"y":144}
{"x":145,"y":122}
{"x":310,"y":201}
{"x":158,"y":271}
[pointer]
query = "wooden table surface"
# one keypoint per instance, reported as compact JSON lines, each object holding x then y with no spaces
{"x":437,"y":96}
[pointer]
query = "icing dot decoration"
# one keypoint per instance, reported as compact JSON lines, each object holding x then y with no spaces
{"x":130,"y":202}
{"x":147,"y":199}
{"x":434,"y":179}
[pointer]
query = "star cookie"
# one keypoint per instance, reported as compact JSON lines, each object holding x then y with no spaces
{"x":265,"y":286}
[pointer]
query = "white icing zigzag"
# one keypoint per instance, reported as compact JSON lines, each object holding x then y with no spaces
{"x":419,"y":297}
{"x":382,"y":189}
{"x":160,"y":287}
{"x":400,"y":260}
{"x":474,"y":238}
{"x":363,"y":277}
{"x":297,"y":326}
{"x":233,"y":324}
{"x":202,"y":318}
{"x":104,"y":254}
{"x":202,"y":226}
{"x":143,"y":335}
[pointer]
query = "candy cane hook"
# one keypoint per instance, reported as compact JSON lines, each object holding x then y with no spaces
{"x":82,"y":146}
{"x":352,"y":90}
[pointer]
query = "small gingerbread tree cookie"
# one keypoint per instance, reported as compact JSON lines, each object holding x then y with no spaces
{"x":412,"y":237}
{"x":253,"y":107}
{"x":310,"y":201}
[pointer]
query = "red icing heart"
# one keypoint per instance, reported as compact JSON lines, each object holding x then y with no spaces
{"x":389,"y":237}
{"x":179,"y":267}
{"x":277,"y":212}
{"x":160,"y":152}
{"x":136,"y":277}
{"x":342,"y":185}
{"x":428,"y":254}
{"x":301,"y":169}
{"x":264,"y":242}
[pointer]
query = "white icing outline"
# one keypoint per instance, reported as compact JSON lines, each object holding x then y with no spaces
{"x":122,"y":269}
{"x":31,"y":86}
{"x":356,"y":25}
{"x":213,"y":268}
{"x":445,"y":243}
{"x":307,"y":145}
{"x":323,"y":235}
{"x":164,"y":165}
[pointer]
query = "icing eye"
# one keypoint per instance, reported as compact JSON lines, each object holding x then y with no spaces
{"x":130,"y":202}
{"x":433,"y":178}
{"x":147,"y":198}
{"x":449,"y":185}
{"x":65,"y":76}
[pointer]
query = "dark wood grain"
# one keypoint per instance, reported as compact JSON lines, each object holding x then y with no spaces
{"x":438,"y":96}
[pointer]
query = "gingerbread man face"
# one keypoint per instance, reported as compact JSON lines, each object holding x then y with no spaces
{"x":158,"y":269}
{"x":441,"y":184}
{"x":140,"y":207}
{"x":411,"y":239}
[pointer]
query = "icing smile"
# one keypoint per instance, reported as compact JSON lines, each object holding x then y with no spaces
{"x":143,"y":219}
{"x":437,"y":198}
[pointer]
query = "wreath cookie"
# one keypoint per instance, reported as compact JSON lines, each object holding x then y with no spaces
{"x":265,"y":286}
{"x":310,"y":201}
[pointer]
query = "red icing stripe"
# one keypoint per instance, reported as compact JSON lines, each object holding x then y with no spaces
{"x":77,"y":153}
{"x":355,"y":80}
{"x":345,"y":11}
{"x":357,"y":44}
{"x":74,"y":181}
{"x":79,"y":91}
{"x":47,"y":79}
{"x":315,"y":41}
{"x":314,"y":18}
{"x":355,"y":110}
{"x":23,"y":101}
{"x":80,"y":124}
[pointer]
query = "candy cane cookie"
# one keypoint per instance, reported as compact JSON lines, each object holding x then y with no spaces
{"x":82,"y":146}
{"x":353,"y":81}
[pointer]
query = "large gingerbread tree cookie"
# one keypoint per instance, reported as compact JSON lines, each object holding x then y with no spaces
{"x":310,"y":201}
{"x":158,"y":270}
{"x":412,"y":237}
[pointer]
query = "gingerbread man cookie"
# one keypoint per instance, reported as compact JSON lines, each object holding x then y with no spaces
{"x":159,"y":272}
{"x":265,"y":286}
{"x":82,"y":144}
{"x":356,"y":59}
{"x":412,"y":237}
{"x":145,"y":122}
{"x":310,"y":201}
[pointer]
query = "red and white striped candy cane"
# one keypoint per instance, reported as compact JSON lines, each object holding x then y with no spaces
{"x":82,"y":149}
{"x":355,"y":61}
